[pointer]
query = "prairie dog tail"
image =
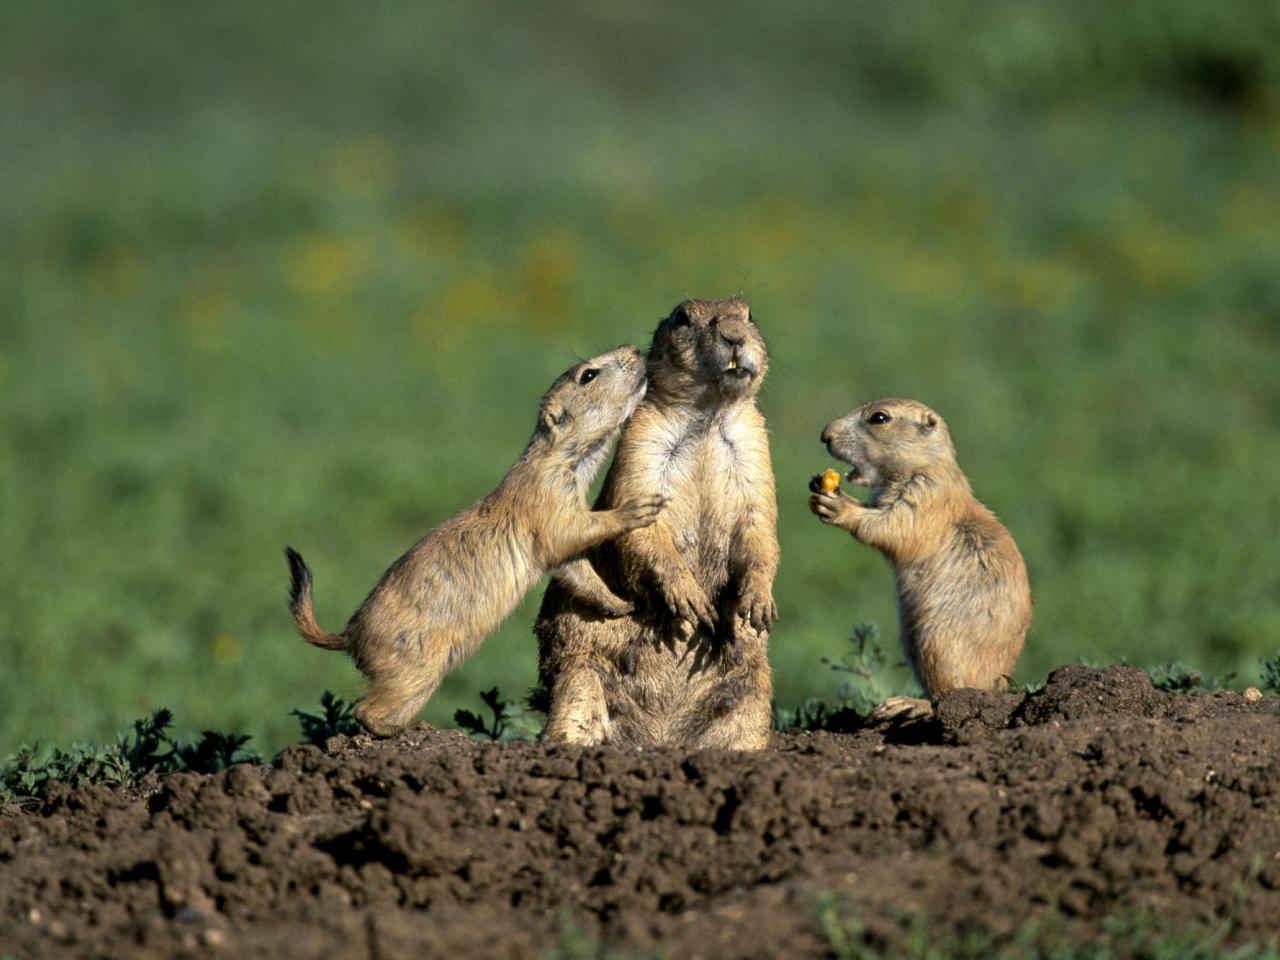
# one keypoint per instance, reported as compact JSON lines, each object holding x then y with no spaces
{"x":300,"y":605}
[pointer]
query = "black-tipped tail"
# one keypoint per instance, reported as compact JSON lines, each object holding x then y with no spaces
{"x":300,"y":587}
{"x":304,"y":617}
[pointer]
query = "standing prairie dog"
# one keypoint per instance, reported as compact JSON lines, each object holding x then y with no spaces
{"x":689,"y":666}
{"x":963,"y":595}
{"x":453,"y":588}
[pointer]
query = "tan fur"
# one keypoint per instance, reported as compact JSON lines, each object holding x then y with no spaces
{"x":453,"y":588}
{"x":689,"y":665}
{"x":964,"y":599}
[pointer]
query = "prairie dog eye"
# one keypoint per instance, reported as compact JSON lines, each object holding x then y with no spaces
{"x":879,"y":417}
{"x":588,"y":375}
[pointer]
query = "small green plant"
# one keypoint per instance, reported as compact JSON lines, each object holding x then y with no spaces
{"x":576,"y":944}
{"x":215,"y":751}
{"x":812,"y":714}
{"x":24,"y":774}
{"x":511,"y":721}
{"x":1092,"y":664}
{"x":1031,"y":686}
{"x":146,"y":748}
{"x":1124,"y":936}
{"x":863,"y":664}
{"x":336,"y":718}
{"x":1180,"y":678}
{"x":1270,"y":682}
{"x":844,"y":934}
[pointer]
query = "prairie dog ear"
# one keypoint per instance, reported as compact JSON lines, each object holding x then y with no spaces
{"x":928,"y":422}
{"x":552,"y":417}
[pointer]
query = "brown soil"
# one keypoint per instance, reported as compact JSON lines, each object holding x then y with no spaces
{"x":1093,"y":795}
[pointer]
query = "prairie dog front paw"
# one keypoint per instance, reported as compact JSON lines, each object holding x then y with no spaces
{"x":836,"y":508}
{"x":640,"y":511}
{"x":687,"y":601}
{"x":756,"y":606}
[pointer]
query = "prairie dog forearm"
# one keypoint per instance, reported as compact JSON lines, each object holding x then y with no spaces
{"x":579,"y":577}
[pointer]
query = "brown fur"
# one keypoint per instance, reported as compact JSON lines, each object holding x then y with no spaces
{"x":689,"y":665}
{"x":964,"y":599}
{"x":453,"y":588}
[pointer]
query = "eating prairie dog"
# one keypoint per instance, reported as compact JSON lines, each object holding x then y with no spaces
{"x":689,"y":666}
{"x":963,"y":596}
{"x":439,"y":601}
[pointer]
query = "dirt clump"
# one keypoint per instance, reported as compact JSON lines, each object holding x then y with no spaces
{"x":1095,"y":794}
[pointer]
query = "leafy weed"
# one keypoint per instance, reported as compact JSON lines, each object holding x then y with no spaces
{"x":146,"y":748}
{"x":1180,"y":678}
{"x":336,"y":718}
{"x":863,"y":665}
{"x":511,"y":721}
{"x":1271,"y":675}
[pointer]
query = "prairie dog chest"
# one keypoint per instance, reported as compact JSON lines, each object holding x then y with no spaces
{"x":698,"y":453}
{"x":704,"y":472}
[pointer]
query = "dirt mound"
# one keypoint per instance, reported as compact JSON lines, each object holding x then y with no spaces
{"x":1094,"y":794}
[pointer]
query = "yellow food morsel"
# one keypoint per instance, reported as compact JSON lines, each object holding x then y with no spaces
{"x":830,"y":481}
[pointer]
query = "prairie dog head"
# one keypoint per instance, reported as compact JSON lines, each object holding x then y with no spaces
{"x":886,"y":441}
{"x":707,"y":351}
{"x":586,"y":407}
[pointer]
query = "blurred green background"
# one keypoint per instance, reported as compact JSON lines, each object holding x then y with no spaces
{"x":298,"y":273}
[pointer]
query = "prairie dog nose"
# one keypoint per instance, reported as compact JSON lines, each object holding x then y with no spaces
{"x":827,"y":435}
{"x":732,"y":329}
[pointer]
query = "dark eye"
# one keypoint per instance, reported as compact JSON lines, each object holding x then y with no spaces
{"x":879,"y":417}
{"x":681,"y":319}
{"x":588,"y":375}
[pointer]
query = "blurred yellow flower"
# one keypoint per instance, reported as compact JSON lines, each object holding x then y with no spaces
{"x":469,"y":302}
{"x":1042,"y":284}
{"x":1158,"y":258}
{"x":326,"y":266}
{"x":204,"y":315}
{"x":225,"y":649}
{"x":474,"y":299}
{"x":548,"y":264}
{"x":929,"y":276}
{"x":772,"y":228}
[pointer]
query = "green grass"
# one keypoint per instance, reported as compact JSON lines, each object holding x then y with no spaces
{"x":275,"y":275}
{"x":1122,"y":936}
{"x":576,"y":944}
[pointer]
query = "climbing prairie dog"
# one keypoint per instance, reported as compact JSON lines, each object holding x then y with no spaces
{"x":453,"y":588}
{"x":963,"y":595}
{"x":689,"y":665}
